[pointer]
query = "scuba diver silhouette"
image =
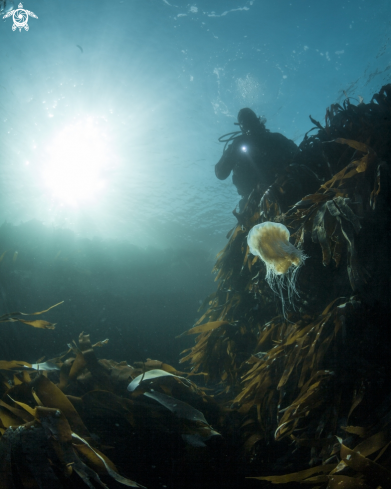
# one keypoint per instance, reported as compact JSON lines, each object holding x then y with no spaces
{"x":255,"y":155}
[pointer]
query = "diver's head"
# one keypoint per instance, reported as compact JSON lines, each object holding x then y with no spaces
{"x":249,"y":123}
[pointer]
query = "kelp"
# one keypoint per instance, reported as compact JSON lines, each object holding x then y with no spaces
{"x":225,"y":342}
{"x":328,"y":216}
{"x":53,"y":408}
{"x":293,"y":384}
{"x":45,"y":451}
{"x":296,"y":396}
{"x":48,"y":441}
{"x":39,"y":323}
{"x":356,"y":468}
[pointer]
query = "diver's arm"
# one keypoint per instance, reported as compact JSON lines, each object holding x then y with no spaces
{"x":226,"y":163}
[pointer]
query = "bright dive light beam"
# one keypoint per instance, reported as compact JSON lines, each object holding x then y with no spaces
{"x":78,"y":158}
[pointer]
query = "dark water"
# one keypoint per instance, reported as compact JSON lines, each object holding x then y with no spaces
{"x":139,"y":299}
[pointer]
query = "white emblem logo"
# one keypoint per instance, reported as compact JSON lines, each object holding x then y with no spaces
{"x":21,"y":17}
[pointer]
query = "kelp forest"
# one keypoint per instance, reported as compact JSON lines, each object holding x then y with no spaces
{"x":264,"y":396}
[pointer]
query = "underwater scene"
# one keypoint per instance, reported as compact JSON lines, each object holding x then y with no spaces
{"x":195,"y":244}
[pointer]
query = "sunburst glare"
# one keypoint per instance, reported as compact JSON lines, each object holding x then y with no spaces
{"x":77,"y":163}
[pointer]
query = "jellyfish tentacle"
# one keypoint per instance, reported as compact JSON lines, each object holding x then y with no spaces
{"x":270,"y":241}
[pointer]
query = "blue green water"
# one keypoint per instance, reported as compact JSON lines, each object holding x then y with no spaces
{"x":158,"y":82}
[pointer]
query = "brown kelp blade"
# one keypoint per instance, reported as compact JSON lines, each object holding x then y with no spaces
{"x":12,"y":317}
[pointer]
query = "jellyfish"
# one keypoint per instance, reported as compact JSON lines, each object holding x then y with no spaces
{"x":270,"y":241}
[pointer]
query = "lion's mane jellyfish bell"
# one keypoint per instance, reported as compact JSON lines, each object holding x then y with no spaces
{"x":270,"y":241}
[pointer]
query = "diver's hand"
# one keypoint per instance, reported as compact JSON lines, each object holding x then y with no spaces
{"x":226,"y":164}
